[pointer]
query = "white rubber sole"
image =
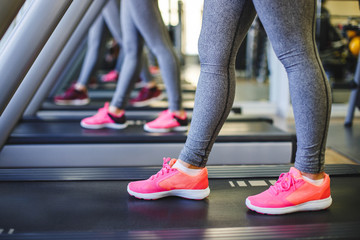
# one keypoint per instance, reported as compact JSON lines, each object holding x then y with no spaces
{"x":77,"y":102}
{"x":165,"y":130}
{"x":315,"y":205}
{"x":106,"y":125}
{"x":189,"y":194}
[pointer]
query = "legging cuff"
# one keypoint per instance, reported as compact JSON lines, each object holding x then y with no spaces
{"x":189,"y":156}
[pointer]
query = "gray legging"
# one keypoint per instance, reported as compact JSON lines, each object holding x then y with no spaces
{"x":141,"y":21}
{"x":111,"y":16}
{"x":290,"y":28}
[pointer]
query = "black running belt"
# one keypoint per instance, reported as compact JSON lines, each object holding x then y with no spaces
{"x":60,"y":131}
{"x":137,"y":173}
{"x":94,"y":105}
{"x":104,"y":210}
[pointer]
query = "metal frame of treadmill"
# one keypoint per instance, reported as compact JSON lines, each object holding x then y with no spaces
{"x":138,"y":154}
{"x":40,"y":47}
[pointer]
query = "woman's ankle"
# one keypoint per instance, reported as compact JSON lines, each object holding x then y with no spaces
{"x":185,"y":164}
{"x":115,"y":111}
{"x":314,"y":176}
{"x":80,"y":87}
{"x":179,"y":113}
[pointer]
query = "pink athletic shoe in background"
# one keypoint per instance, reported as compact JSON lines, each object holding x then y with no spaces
{"x":104,"y":119}
{"x":146,"y":97}
{"x":72,"y":97}
{"x":111,"y":76}
{"x":167,"y":122}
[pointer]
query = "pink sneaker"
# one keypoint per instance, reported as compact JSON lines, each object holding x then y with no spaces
{"x":291,"y":193}
{"x":154,"y":70}
{"x":171,"y":182}
{"x":147,"y":96}
{"x":72,"y":97}
{"x":103,"y":119}
{"x":166,"y":122}
{"x":111,"y":76}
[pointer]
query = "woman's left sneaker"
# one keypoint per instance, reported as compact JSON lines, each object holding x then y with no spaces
{"x":170,"y":181}
{"x":167,"y":122}
{"x":146,"y":96}
{"x":111,"y":76}
{"x":104,"y":119}
{"x":72,"y":96}
{"x":292,"y":193}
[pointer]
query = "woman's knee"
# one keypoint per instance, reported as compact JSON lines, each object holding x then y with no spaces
{"x":132,"y":48}
{"x":294,"y":58}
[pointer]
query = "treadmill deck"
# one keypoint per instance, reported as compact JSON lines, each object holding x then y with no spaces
{"x":104,"y":209}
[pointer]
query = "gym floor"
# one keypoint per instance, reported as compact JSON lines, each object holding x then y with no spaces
{"x":343,"y":143}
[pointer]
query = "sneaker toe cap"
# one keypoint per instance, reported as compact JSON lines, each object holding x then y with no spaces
{"x":267,"y":200}
{"x":143,"y":187}
{"x":88,"y":120}
{"x":152,"y":124}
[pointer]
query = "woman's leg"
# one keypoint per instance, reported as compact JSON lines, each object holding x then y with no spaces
{"x":290,"y":26}
{"x":292,"y":192}
{"x":145,"y":72}
{"x":148,"y":20}
{"x":111,"y":14}
{"x":132,"y":47}
{"x":225,"y":24}
{"x":94,"y":40}
{"x":77,"y":94}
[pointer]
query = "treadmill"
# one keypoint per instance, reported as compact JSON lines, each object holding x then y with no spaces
{"x":59,"y":181}
{"x":92,"y":203}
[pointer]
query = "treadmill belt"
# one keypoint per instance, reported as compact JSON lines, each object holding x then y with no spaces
{"x":70,"y":132}
{"x":104,"y":210}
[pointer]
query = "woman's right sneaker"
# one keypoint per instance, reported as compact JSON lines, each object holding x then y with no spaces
{"x":146,"y":97}
{"x":72,"y":97}
{"x":292,"y":193}
{"x":167,"y":122}
{"x":110,"y":77}
{"x":104,"y":119}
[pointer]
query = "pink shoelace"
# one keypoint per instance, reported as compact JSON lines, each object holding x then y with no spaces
{"x":101,"y":111}
{"x":167,"y":164}
{"x":284,"y":183}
